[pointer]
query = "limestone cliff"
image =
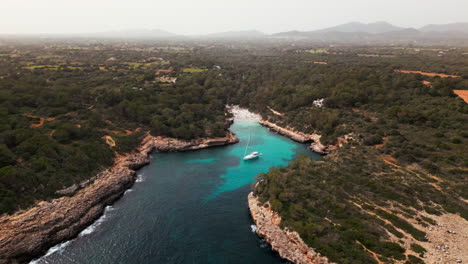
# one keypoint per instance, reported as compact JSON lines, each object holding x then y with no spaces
{"x":29,"y":233}
{"x":288,"y":244}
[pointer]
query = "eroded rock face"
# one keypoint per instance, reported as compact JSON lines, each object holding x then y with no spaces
{"x":29,"y":233}
{"x":314,"y":139}
{"x":288,"y":244}
{"x":315,"y":145}
{"x":294,"y":135}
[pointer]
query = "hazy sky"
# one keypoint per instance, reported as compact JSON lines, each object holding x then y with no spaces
{"x":207,"y":16}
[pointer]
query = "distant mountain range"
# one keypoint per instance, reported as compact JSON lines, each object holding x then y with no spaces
{"x":354,"y":32}
{"x":379,"y":28}
{"x":454,"y":27}
{"x":372,"y":28}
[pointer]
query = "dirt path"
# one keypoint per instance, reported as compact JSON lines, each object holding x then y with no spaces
{"x":109,"y":141}
{"x":431,"y":74}
{"x":427,"y":83}
{"x":275,"y":112}
{"x":463,"y":94}
{"x":374,"y":255}
{"x":41,"y":120}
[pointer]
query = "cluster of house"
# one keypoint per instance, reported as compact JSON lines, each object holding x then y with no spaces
{"x":164,"y":76}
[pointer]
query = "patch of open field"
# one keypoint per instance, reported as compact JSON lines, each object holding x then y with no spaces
{"x":45,"y":67}
{"x":193,"y":70}
{"x":377,"y":55}
{"x":315,"y":51}
{"x":463,"y":94}
{"x":75,"y":67}
{"x":317,"y":62}
{"x":431,"y":74}
{"x":427,"y":83}
{"x":136,"y":65}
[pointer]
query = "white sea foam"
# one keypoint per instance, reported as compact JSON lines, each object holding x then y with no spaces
{"x":90,"y":229}
{"x":55,"y":249}
{"x":128,"y":191}
{"x":140,"y":178}
{"x":60,"y":247}
{"x":254,"y":228}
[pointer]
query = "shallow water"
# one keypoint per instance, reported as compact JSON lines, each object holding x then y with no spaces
{"x":188,"y":207}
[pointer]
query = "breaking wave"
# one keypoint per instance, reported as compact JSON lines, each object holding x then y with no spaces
{"x":90,"y":229}
{"x":140,"y":178}
{"x":55,"y":249}
{"x":253,"y":228}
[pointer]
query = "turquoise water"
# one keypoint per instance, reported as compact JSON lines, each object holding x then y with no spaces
{"x":187,"y":207}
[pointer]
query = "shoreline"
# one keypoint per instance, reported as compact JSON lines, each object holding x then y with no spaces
{"x":29,"y":233}
{"x":314,"y":139}
{"x":288,"y":244}
{"x":243,"y":114}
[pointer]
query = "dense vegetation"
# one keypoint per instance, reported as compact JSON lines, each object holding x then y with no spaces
{"x":405,"y":155}
{"x":52,"y":121}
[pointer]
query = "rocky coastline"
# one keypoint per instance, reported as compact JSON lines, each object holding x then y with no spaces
{"x":29,"y":233}
{"x":288,"y":244}
{"x":313,"y":139}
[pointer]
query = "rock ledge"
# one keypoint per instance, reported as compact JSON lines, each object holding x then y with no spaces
{"x":288,"y":244}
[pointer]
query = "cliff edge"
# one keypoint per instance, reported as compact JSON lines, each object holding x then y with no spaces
{"x":288,"y":244}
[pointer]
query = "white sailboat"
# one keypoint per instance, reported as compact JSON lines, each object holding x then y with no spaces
{"x":252,"y":155}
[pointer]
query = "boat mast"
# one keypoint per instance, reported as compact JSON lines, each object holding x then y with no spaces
{"x":248,"y":142}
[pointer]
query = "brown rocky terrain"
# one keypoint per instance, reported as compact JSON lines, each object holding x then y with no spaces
{"x":313,"y":139}
{"x":29,"y":233}
{"x":287,"y":243}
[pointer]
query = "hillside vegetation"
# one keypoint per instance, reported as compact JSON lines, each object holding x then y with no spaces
{"x":63,"y":107}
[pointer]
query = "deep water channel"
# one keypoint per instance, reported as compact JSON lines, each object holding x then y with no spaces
{"x":186,"y":207}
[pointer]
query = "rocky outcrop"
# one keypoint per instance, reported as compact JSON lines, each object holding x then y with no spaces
{"x":294,"y":135}
{"x":288,"y":244}
{"x":314,"y":139}
{"x":29,"y":233}
{"x":317,"y":146}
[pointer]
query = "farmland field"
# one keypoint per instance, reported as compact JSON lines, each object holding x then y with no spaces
{"x":193,"y":70}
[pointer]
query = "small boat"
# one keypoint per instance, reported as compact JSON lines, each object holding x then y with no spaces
{"x":252,"y":155}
